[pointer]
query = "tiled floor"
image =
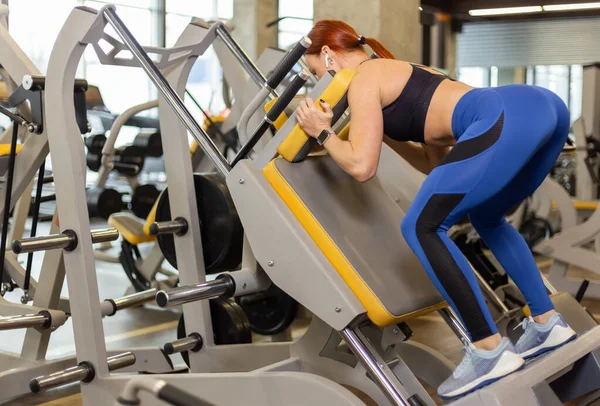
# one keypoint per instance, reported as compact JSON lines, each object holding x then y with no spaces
{"x":152,"y":326}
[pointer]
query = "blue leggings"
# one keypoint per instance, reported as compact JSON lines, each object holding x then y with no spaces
{"x":508,"y":140}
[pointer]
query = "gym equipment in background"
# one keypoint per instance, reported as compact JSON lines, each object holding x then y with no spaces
{"x":577,"y":245}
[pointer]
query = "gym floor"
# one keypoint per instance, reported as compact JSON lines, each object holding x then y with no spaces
{"x":150,"y":325}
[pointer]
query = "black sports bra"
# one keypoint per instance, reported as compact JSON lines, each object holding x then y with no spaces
{"x":404,"y":118}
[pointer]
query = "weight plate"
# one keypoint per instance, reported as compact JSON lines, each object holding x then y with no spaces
{"x":95,"y":143}
{"x":143,"y":199}
{"x":150,"y":143}
{"x":221,"y":229}
{"x":269,"y":312}
{"x":132,"y":157}
{"x":93,"y":161}
{"x":230,"y":324}
{"x":103,"y":202}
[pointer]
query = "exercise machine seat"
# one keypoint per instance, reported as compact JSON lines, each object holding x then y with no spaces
{"x":133,"y":230}
{"x":357,"y":227}
{"x":130,"y":227}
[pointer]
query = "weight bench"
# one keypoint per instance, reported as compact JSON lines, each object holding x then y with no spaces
{"x":141,"y":271}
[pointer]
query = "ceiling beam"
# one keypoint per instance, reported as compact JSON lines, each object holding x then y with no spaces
{"x":460,"y":9}
{"x":462,"y":6}
{"x":538,"y":16}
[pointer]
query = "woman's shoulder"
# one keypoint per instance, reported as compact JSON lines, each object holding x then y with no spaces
{"x":378,"y":67}
{"x":381,"y":71}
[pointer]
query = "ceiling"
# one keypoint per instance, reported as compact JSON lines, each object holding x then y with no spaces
{"x":460,"y":8}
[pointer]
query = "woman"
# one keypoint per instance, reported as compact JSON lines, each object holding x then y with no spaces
{"x":485,"y":150}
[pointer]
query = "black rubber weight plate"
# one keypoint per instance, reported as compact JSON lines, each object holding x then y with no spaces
{"x":143,"y":199}
{"x":220,"y":227}
{"x":230,"y":324}
{"x":269,"y":312}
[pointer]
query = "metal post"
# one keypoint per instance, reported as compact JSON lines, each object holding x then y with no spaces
{"x":454,"y":323}
{"x":66,"y":240}
{"x":25,"y":321}
{"x":70,"y":375}
{"x":192,"y":293}
{"x":172,"y":98}
{"x":243,"y":58}
{"x":193,"y":343}
{"x":43,"y":243}
{"x":178,"y":226}
{"x":104,"y":235}
{"x":487,"y":289}
{"x":111,"y":306}
{"x":374,"y":364}
{"x":84,"y":372}
{"x":120,"y":361}
{"x":549,"y":287}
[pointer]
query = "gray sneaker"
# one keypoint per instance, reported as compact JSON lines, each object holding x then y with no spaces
{"x":480,"y":368}
{"x":540,"y":338}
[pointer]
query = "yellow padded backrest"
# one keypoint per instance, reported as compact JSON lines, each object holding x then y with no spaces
{"x":297,"y":144}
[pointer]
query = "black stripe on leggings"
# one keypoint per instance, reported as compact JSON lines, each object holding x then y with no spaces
{"x":451,"y":277}
{"x":474,"y":146}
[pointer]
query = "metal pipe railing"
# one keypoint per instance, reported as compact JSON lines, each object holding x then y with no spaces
{"x":239,"y":54}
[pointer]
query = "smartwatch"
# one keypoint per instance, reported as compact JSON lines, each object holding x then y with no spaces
{"x":324,"y":136}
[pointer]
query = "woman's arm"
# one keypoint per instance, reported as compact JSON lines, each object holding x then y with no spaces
{"x":359,"y":156}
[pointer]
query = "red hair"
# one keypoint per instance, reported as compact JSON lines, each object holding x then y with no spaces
{"x":340,"y":36}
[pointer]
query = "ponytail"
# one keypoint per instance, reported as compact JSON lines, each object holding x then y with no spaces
{"x":340,"y":36}
{"x":379,"y":49}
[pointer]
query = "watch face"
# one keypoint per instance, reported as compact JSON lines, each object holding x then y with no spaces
{"x":323,"y":136}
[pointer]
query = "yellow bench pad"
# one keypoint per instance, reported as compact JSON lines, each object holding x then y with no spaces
{"x":130,"y":227}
